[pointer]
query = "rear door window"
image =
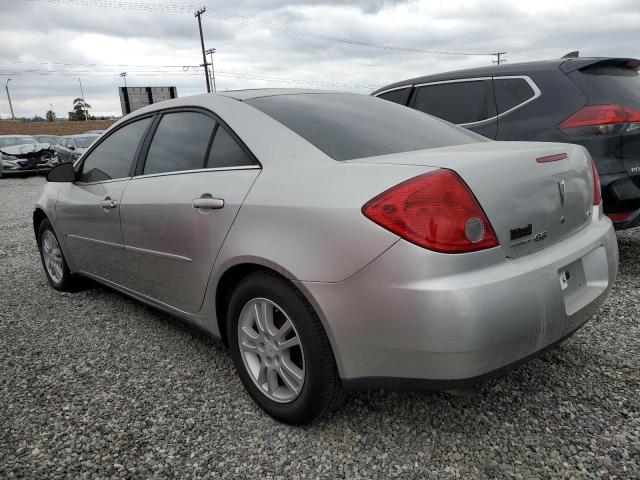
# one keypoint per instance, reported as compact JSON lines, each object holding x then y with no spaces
{"x":511,"y":92}
{"x":226,"y":152}
{"x":400,"y":95}
{"x":457,"y":102}
{"x":179,"y":143}
{"x":114,"y":156}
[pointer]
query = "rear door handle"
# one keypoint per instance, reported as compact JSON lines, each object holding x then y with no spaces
{"x":108,"y":203}
{"x":208,"y":203}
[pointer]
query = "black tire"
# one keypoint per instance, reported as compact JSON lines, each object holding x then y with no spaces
{"x":322,"y":390}
{"x":68,"y":282}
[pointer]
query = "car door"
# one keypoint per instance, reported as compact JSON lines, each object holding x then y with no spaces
{"x":469,"y":103}
{"x":177,"y":212}
{"x":88,"y":210}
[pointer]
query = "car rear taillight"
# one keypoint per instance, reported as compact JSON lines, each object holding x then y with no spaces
{"x":597,"y":192}
{"x":619,"y":217}
{"x":601,"y":120}
{"x":435,"y":210}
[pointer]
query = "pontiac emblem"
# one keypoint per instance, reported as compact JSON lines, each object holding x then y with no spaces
{"x":561,"y":187}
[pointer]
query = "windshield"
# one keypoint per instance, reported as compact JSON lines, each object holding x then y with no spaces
{"x":11,"y":141}
{"x":84,"y":142}
{"x":348,"y":126}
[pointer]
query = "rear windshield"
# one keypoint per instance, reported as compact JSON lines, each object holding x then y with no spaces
{"x":347,"y":126}
{"x":610,"y":84}
{"x":85,"y":142}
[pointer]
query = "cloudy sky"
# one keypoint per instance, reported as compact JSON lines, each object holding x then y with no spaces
{"x":45,"y":45}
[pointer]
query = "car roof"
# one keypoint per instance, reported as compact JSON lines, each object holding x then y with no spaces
{"x":249,"y":94}
{"x":17,"y":135}
{"x":523,"y":68}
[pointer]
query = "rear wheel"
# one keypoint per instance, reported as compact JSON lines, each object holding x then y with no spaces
{"x":55,"y":265}
{"x":281,"y":351}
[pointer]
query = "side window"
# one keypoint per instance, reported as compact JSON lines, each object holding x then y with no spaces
{"x":396,"y":96}
{"x":225,"y":151}
{"x":71,"y":143}
{"x":179,"y":143}
{"x":63,"y":142}
{"x":114,"y":156}
{"x":511,"y":92}
{"x":457,"y":102}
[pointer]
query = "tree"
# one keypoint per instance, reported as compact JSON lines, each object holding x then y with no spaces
{"x":80,"y":110}
{"x":51,"y":116}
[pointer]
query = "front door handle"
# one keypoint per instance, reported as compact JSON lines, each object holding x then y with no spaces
{"x":108,"y":203}
{"x":207,"y":202}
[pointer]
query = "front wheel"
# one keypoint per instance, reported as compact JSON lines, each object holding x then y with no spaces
{"x":281,"y":351}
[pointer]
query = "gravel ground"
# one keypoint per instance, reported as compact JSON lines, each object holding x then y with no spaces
{"x":94,"y":385}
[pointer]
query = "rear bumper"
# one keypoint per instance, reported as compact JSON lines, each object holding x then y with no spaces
{"x":451,"y":320}
{"x":621,"y":195}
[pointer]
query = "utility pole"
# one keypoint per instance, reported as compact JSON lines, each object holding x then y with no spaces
{"x":211,"y":51}
{"x":86,"y":116}
{"x":13,"y":117}
{"x":499,"y":60}
{"x":204,"y":56}
{"x":124,"y":75}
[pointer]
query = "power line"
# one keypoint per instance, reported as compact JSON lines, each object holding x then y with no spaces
{"x":250,"y":22}
{"x":162,"y":73}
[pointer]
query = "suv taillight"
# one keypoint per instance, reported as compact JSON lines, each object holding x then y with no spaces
{"x":601,"y":120}
{"x":435,"y":210}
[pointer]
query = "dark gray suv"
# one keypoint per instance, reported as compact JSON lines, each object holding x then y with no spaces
{"x":594,"y":102}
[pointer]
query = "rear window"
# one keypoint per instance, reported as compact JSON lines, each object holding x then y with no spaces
{"x":610,"y":84}
{"x":348,"y":126}
{"x":511,"y":92}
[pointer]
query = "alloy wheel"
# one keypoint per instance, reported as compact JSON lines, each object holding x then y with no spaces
{"x":271,"y":350}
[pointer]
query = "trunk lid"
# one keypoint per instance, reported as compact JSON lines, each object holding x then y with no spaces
{"x":530,"y":205}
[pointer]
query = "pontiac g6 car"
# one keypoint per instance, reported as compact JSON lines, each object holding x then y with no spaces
{"x":335,"y":241}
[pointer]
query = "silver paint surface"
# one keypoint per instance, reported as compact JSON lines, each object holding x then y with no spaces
{"x":390,"y":308}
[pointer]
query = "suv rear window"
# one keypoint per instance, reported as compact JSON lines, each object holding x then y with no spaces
{"x":618,"y":85}
{"x":348,"y":126}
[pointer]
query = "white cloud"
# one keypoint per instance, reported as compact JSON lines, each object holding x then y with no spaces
{"x":37,"y":32}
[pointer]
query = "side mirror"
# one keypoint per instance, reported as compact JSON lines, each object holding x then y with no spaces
{"x":62,"y":173}
{"x":72,"y":147}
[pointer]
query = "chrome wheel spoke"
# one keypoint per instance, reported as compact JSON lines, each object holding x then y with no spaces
{"x":262,"y":375}
{"x":293,"y":371}
{"x":271,"y":350}
{"x":272,"y":380}
{"x":292,"y":384}
{"x":292,"y":342}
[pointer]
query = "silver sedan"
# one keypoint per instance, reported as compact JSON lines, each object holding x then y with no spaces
{"x":335,"y":241}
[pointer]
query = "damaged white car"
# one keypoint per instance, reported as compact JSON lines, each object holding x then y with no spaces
{"x":23,"y":153}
